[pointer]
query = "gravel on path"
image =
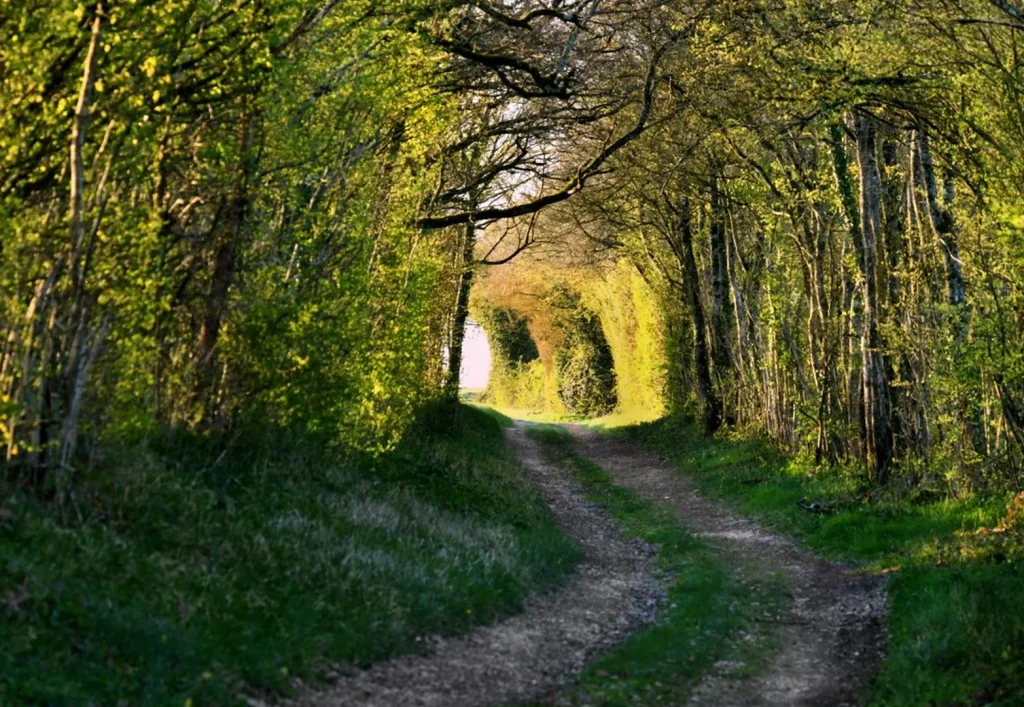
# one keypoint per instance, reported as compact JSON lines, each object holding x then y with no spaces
{"x":831,"y":634}
{"x":528,"y":656}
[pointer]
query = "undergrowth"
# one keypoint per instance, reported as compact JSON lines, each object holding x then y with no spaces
{"x":956,"y":620}
{"x":707,"y":615}
{"x":201,"y":576}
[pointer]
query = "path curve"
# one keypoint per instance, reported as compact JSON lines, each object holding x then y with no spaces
{"x":527,"y":656}
{"x":832,"y":632}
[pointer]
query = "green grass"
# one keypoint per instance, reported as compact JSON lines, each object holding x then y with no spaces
{"x":540,"y":416}
{"x":700,"y":622}
{"x":617,"y":418}
{"x":501,"y":418}
{"x":957,"y":610}
{"x":205,"y":578}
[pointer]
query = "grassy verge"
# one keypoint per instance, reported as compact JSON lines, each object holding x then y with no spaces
{"x":501,"y":418}
{"x":707,"y":616}
{"x":957,"y":600}
{"x":197,"y":580}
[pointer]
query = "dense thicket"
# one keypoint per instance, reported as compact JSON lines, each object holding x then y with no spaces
{"x":216,"y":215}
{"x":843,"y":233}
{"x":571,"y":371}
{"x":825,"y":202}
{"x":798,"y":216}
{"x":207,"y":216}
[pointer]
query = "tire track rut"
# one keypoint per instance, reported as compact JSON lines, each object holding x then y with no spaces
{"x":831,"y":634}
{"x":528,"y":656}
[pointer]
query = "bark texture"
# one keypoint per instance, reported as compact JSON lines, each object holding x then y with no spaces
{"x":878,"y":434}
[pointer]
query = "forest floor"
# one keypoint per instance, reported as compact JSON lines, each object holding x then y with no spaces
{"x":953,"y":564}
{"x":523,"y":658}
{"x":829,"y":627}
{"x":199,"y":574}
{"x":509,"y":563}
{"x":744,"y":617}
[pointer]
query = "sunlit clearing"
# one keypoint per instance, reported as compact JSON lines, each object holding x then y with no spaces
{"x":476,"y":358}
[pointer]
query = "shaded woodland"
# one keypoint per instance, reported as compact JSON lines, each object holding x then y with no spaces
{"x":219,"y":216}
{"x":240,"y":242}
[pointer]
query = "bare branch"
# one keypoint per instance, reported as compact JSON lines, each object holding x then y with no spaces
{"x":571,"y":186}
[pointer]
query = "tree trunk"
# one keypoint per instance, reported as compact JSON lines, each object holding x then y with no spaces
{"x":701,"y":349}
{"x":878,"y":442}
{"x":943,"y":222}
{"x":947,"y":232}
{"x":220,"y":285}
{"x":850,"y":318}
{"x":78,"y":128}
{"x":70,"y":390}
{"x":894,"y":195}
{"x":451,"y":392}
{"x":227,"y":237}
{"x":722,"y":318}
{"x":828,"y":443}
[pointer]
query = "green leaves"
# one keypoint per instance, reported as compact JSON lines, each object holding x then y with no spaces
{"x":198,"y":107}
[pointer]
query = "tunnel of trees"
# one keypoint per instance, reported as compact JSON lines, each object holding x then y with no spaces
{"x":798,"y":218}
{"x":578,"y":365}
{"x":240,"y":245}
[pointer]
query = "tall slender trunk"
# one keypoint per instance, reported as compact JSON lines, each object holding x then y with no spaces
{"x":917,"y":425}
{"x":458,"y":335}
{"x":722,"y":317}
{"x":78,"y":130}
{"x":738,"y":315}
{"x":220,"y":284}
{"x":878,"y":441}
{"x":947,"y":232}
{"x":895,"y":205}
{"x":78,"y":352}
{"x":850,"y":322}
{"x":701,"y":349}
{"x":942,"y":221}
{"x":828,"y":443}
{"x":894,"y":201}
{"x":227,"y":237}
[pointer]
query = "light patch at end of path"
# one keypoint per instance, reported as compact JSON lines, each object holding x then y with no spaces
{"x":476,"y":358}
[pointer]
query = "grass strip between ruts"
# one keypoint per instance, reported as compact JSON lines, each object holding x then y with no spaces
{"x":956,"y":621}
{"x":708,"y":614}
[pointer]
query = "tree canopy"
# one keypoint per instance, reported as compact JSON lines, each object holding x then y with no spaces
{"x":797,"y":216}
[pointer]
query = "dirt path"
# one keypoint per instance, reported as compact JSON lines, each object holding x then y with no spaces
{"x":527,"y":656}
{"x":832,"y":631}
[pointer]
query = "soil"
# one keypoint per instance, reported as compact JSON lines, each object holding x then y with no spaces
{"x":829,"y":632}
{"x":526,"y":657}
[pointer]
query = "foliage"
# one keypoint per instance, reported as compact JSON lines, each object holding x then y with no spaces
{"x":207,"y":575}
{"x":518,"y":380}
{"x":508,"y":336}
{"x":822,"y":224}
{"x":242,"y":241}
{"x":633,"y":320}
{"x":585,"y":370}
{"x":803,"y":218}
{"x":599,"y":334}
{"x":523,"y":387}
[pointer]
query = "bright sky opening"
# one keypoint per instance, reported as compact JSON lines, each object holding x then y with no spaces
{"x":476,"y":358}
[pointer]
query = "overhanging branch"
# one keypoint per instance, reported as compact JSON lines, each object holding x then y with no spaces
{"x":572,"y":185}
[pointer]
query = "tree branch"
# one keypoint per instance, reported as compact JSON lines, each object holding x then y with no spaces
{"x":572,"y":185}
{"x":524,"y":20}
